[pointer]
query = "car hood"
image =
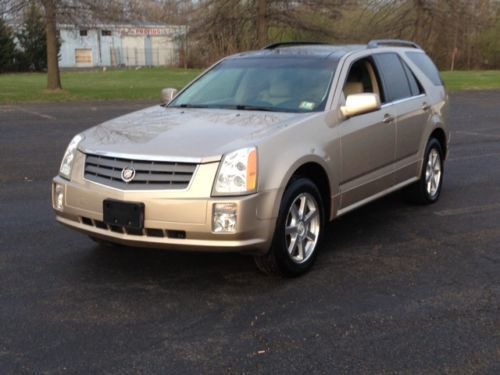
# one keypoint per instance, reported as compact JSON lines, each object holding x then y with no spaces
{"x":198,"y":135}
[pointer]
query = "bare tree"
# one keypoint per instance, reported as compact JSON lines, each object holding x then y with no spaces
{"x":222,"y":27}
{"x":76,"y":11}
{"x":53,"y":75}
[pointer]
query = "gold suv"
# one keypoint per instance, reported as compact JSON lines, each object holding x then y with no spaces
{"x":258,"y":153}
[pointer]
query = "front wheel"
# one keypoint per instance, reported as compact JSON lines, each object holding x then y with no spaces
{"x":298,"y":232}
{"x":428,"y":188}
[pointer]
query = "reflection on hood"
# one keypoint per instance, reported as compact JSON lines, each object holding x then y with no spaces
{"x":142,"y":126}
{"x":185,"y":132}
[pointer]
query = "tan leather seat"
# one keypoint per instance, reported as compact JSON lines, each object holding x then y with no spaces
{"x":351,"y":88}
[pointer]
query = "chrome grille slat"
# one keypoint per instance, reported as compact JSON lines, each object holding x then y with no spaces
{"x":106,"y":170}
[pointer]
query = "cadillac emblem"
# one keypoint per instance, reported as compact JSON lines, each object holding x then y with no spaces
{"x":128,"y":174}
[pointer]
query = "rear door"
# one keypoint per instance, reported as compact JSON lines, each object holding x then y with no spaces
{"x":409,"y":103}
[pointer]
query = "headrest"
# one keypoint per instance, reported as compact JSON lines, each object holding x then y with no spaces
{"x":351,"y":88}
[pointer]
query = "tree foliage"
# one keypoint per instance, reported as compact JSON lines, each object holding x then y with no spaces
{"x":449,"y":30}
{"x":221,"y":27}
{"x":7,"y":48}
{"x":456,"y":33}
{"x":461,"y":34}
{"x":32,"y":40}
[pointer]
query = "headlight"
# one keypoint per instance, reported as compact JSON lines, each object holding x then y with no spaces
{"x":69,"y":156}
{"x":237,"y":172}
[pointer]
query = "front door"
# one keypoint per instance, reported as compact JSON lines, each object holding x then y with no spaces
{"x":367,"y":141}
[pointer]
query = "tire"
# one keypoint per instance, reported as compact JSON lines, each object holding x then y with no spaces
{"x":427,"y":189}
{"x":298,"y":233}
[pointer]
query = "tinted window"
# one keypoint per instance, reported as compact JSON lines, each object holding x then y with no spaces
{"x":415,"y":86}
{"x":393,"y":77}
{"x":426,"y":65}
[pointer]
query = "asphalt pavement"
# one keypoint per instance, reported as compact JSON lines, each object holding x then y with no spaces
{"x":396,"y":289}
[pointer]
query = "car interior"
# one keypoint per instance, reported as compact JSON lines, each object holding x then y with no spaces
{"x":362,"y":79}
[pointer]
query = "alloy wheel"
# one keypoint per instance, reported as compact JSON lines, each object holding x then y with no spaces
{"x":302,"y":228}
{"x":433,"y":173}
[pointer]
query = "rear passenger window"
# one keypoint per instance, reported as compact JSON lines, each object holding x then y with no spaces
{"x":393,"y":77}
{"x":415,"y":86}
{"x":426,"y":65}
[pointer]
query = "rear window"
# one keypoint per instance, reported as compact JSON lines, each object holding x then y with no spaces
{"x":427,"y":67}
{"x":415,"y":86}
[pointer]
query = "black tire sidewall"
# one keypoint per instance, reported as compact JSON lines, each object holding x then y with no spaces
{"x":285,"y":263}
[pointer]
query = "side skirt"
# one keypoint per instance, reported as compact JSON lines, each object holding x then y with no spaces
{"x":376,"y":196}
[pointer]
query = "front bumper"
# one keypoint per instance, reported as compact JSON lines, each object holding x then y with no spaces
{"x":178,"y":220}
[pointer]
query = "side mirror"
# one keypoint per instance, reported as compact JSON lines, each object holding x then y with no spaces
{"x":358,"y":104}
{"x":167,"y":95}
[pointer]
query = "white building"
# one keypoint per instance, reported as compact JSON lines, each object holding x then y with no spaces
{"x":119,"y":45}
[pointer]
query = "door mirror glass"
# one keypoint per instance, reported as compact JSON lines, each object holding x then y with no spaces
{"x":357,"y":104}
{"x":167,"y":95}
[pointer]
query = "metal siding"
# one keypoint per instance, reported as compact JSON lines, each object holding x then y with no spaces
{"x":120,"y":49}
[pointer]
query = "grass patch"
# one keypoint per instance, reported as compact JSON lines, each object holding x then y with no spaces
{"x":146,"y":83}
{"x":94,"y":85}
{"x":472,"y":80}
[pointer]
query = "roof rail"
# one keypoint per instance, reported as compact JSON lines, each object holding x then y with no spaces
{"x":292,"y":44}
{"x":392,"y":42}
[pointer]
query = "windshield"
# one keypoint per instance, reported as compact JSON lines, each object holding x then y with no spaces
{"x":282,"y":84}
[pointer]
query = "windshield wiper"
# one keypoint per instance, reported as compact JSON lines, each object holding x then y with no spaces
{"x":187,"y":105}
{"x":241,"y":107}
{"x":247,"y":107}
{"x":244,"y":107}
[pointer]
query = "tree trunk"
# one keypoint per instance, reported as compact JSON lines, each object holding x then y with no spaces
{"x":262,"y":22}
{"x":53,"y":76}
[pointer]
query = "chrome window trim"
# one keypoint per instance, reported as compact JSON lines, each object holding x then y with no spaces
{"x":402,"y":100}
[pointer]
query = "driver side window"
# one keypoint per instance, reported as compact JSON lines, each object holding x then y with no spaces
{"x":363,"y":78}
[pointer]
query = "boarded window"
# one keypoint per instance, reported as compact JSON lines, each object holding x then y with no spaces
{"x":83,"y":56}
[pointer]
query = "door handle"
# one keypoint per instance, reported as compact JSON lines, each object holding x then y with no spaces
{"x":388,"y":118}
{"x":425,"y":106}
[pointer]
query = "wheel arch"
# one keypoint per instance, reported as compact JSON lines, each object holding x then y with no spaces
{"x":318,"y":175}
{"x":440,"y":135}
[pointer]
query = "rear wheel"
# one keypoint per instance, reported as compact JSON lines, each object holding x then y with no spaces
{"x":428,"y":188}
{"x":298,"y":231}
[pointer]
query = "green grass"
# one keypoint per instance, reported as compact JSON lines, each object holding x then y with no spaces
{"x":94,"y":85}
{"x":147,"y":83}
{"x":472,"y":80}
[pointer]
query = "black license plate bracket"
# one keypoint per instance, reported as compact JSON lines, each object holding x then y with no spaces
{"x":123,"y":214}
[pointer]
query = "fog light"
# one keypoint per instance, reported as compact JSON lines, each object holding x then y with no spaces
{"x":224,"y":217}
{"x":59,"y":197}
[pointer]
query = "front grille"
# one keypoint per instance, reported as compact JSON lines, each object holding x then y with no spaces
{"x":159,"y":175}
{"x":148,"y":232}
